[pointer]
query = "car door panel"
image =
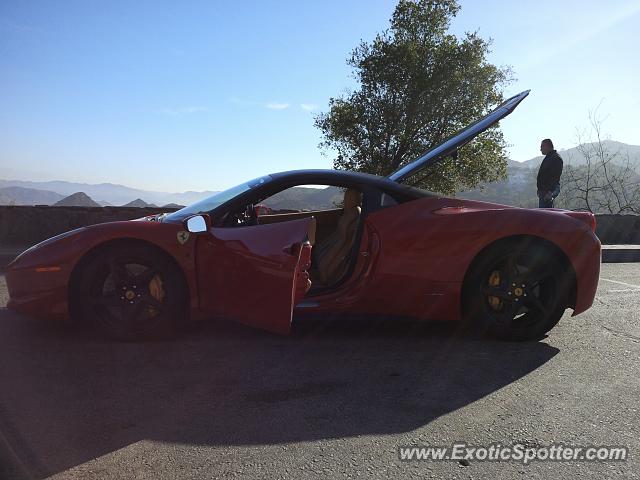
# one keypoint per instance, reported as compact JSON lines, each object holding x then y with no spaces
{"x":255,"y":274}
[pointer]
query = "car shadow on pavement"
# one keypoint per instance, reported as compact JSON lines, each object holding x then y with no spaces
{"x":66,"y":399}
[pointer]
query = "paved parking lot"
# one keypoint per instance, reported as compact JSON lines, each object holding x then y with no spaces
{"x":332,"y":400}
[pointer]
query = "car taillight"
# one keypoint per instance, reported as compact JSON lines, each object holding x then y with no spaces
{"x":586,"y":217}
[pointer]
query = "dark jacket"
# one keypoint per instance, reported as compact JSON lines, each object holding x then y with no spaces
{"x":550,"y":171}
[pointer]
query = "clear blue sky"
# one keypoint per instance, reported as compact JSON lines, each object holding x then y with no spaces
{"x":197,"y":95}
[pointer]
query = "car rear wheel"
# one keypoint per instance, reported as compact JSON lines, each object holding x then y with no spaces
{"x":516,"y":293}
{"x":131,"y":293}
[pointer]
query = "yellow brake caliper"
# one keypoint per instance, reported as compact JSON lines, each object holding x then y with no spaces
{"x":494,"y":281}
{"x":157,"y":291}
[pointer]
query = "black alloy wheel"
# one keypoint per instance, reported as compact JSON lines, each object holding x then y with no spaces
{"x":516,"y":293}
{"x":131,"y":293}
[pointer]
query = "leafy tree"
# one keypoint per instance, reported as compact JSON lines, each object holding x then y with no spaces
{"x":418,"y":84}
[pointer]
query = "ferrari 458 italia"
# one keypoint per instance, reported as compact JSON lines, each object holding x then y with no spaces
{"x":384,"y":249}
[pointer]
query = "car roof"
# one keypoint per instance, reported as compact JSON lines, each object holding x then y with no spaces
{"x":342,"y":178}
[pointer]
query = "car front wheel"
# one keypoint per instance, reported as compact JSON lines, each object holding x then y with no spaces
{"x":131,"y":293}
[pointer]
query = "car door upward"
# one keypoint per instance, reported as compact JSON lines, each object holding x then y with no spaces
{"x":449,"y":146}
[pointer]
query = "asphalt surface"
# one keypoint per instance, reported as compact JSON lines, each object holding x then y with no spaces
{"x":333,"y":400}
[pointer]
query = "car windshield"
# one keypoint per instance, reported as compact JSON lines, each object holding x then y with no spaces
{"x":207,"y":204}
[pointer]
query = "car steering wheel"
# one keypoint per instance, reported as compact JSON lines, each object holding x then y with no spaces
{"x":250,"y":215}
{"x":242,"y":218}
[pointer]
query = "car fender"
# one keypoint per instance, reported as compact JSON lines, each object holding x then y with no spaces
{"x":433,"y":241}
{"x":50,"y":264}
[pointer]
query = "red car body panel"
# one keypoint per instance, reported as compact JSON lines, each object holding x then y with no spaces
{"x":233,"y":261}
{"x":412,"y":261}
{"x":416,"y":256}
{"x":45,"y":294}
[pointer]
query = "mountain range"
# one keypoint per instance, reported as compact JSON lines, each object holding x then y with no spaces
{"x":518,"y":189}
{"x":28,"y":196}
{"x":306,"y":198}
{"x":79,"y":199}
{"x":104,"y":193}
{"x":574,"y":157}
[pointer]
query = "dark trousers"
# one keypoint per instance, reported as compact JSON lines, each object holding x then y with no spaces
{"x":542,"y":203}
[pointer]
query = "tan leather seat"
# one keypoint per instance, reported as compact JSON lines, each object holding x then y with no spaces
{"x":332,"y":255}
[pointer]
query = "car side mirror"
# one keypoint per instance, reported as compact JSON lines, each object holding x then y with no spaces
{"x":198,"y":223}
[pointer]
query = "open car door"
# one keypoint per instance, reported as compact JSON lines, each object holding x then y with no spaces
{"x":451,"y":145}
{"x":255,"y":274}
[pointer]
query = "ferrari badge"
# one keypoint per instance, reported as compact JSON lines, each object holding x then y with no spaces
{"x":183,"y":236}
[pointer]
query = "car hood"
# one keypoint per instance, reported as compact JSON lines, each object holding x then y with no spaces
{"x":49,"y":241}
{"x":451,"y":145}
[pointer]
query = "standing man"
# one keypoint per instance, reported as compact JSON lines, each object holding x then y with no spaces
{"x":549,"y":175}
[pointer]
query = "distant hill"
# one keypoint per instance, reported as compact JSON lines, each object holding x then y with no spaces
{"x":27,"y":196}
{"x":5,"y":199}
{"x":574,"y":157}
{"x":306,"y":198}
{"x":139,"y":203}
{"x":78,"y":199}
{"x":519,"y":189}
{"x":173,"y":205}
{"x":109,"y":193}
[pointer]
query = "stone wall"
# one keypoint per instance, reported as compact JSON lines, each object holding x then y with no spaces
{"x":22,"y":226}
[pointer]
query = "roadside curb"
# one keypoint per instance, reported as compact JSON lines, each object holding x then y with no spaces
{"x":620,"y":253}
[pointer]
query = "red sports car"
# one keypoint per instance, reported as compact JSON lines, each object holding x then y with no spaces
{"x":384,"y":249}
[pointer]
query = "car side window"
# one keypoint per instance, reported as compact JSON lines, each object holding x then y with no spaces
{"x":387,"y":200}
{"x":293,"y":200}
{"x":303,"y":198}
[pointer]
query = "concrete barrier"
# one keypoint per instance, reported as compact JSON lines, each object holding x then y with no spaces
{"x":618,"y":229}
{"x":22,"y":226}
{"x":620,"y":253}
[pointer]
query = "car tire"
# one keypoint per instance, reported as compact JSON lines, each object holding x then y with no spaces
{"x":131,"y":292}
{"x":515,"y":291}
